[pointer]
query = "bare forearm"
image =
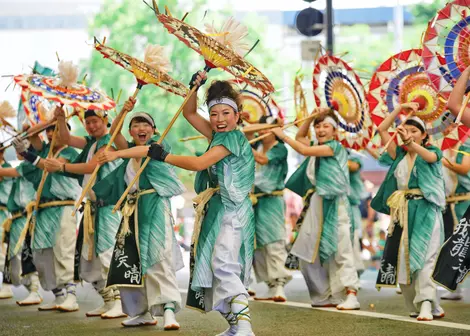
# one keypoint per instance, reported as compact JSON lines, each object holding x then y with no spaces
{"x":458,"y":168}
{"x":427,"y":155}
{"x":134,"y":152}
{"x":9,"y":172}
{"x":191,"y":106}
{"x":80,"y":168}
{"x":455,"y":99}
{"x":64,"y":133}
{"x":260,"y":158}
{"x":302,"y":133}
{"x":36,"y":142}
{"x":192,"y":163}
{"x":389,"y":120}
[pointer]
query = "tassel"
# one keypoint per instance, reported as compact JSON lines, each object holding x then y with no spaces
{"x":155,"y":57}
{"x":6,"y":110}
{"x":68,"y":73}
{"x":231,"y":35}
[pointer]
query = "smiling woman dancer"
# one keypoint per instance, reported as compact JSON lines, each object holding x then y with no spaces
{"x":146,"y":241}
{"x":413,"y":194}
{"x":224,"y":248}
{"x":325,"y":234}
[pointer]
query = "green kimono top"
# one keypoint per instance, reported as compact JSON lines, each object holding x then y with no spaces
{"x":270,"y":210}
{"x":57,"y":187}
{"x":357,"y":185}
{"x":235,"y":175}
{"x":463,"y":183}
{"x":5,"y":189}
{"x":106,"y":223}
{"x":22,"y":193}
{"x":154,"y":211}
{"x":422,"y":213}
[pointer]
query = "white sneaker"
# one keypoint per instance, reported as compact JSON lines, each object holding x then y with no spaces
{"x":54,"y":305}
{"x":351,"y":302}
{"x":457,"y":295}
{"x":101,"y":310}
{"x":33,"y":298}
{"x":425,"y":313}
{"x":279,"y":295}
{"x":169,"y":320}
{"x":114,"y":312}
{"x":231,"y":331}
{"x":244,"y":329}
{"x":69,"y":305}
{"x":140,"y":320}
{"x":6,"y":292}
{"x":437,"y":313}
{"x":269,"y":296}
{"x":328,"y":303}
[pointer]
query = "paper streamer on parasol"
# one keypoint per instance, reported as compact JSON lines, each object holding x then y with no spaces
{"x":446,"y":45}
{"x":402,"y":79}
{"x":216,"y":54}
{"x":144,"y":73}
{"x":336,"y":84}
{"x":300,"y":102}
{"x":31,"y":105}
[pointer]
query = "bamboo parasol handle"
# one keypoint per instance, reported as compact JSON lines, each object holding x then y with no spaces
{"x":395,"y":134}
{"x":147,"y":160}
{"x":314,"y":115}
{"x":462,"y":108}
{"x":45,"y":173}
{"x":91,"y":181}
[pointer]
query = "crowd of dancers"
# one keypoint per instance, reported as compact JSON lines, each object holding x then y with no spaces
{"x":131,"y":256}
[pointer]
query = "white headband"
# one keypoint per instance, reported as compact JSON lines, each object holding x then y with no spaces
{"x":145,"y":116}
{"x":223,"y":100}
{"x":331,"y":121}
{"x":419,"y":121}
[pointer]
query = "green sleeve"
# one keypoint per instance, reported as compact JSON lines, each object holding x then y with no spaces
{"x":230,"y":140}
{"x":30,"y":172}
{"x":112,"y":186}
{"x":335,"y":146}
{"x":277,"y":154}
{"x":299,"y":182}
{"x":69,"y":154}
{"x":356,"y":160}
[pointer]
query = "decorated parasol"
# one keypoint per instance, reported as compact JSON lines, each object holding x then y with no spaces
{"x":402,"y":79}
{"x":223,"y":51}
{"x":446,"y":44}
{"x":31,"y":105}
{"x":65,"y":90}
{"x":154,"y":70}
{"x":336,"y":84}
{"x":300,"y":102}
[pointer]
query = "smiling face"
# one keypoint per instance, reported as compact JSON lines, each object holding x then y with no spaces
{"x":325,"y":131}
{"x":223,"y":118}
{"x":50,"y":133}
{"x":141,"y":131}
{"x":95,"y":126}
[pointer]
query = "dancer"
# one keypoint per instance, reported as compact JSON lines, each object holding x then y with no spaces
{"x":456,"y":98}
{"x":224,"y":228}
{"x":413,"y":194}
{"x":146,"y":246}
{"x":324,"y":243}
{"x":5,"y":189}
{"x":355,"y":197}
{"x":53,"y":234}
{"x":457,"y":183}
{"x":269,"y":207}
{"x":19,"y":267}
{"x":98,"y":227}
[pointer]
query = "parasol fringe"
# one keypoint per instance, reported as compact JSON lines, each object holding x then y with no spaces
{"x":231,"y":35}
{"x":45,"y":110}
{"x":156,"y":58}
{"x":7,"y":110}
{"x":68,"y":73}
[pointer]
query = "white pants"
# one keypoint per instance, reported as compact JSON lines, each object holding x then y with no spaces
{"x":96,"y":269}
{"x":422,"y":288}
{"x":15,"y":272}
{"x":226,"y":266}
{"x":269,"y":262}
{"x":358,"y":262}
{"x":56,"y":265}
{"x":316,"y":278}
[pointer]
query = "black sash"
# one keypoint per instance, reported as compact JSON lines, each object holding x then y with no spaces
{"x":387,"y":276}
{"x":125,"y":268}
{"x":6,"y":269}
{"x":449,"y":224}
{"x":453,"y":262}
{"x":195,"y":299}
{"x":78,"y":252}
{"x":292,"y":261}
{"x":27,"y":264}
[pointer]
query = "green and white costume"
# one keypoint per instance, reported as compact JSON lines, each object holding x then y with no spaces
{"x":270,"y":254}
{"x":325,"y":235}
{"x":224,"y":239}
{"x":20,"y":206}
{"x":146,"y":241}
{"x":355,"y":197}
{"x":413,"y":193}
{"x":99,"y":225}
{"x":54,"y":232}
{"x":5,"y":189}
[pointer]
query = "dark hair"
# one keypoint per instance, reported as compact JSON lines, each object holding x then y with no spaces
{"x":420,"y":127}
{"x":141,"y":119}
{"x":322,"y":117}
{"x":220,"y":89}
{"x":266,"y":120}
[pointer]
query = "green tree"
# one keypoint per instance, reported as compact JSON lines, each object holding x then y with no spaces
{"x":424,"y":13}
{"x":129,"y":26}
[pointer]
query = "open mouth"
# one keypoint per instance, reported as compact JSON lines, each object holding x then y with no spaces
{"x":142,"y":137}
{"x":221,"y":128}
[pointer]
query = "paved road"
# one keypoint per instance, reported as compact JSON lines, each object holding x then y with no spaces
{"x":387,"y":316}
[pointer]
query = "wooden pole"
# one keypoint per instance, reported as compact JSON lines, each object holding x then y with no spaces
{"x":91,"y":181}
{"x":462,"y":108}
{"x":395,"y":134}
